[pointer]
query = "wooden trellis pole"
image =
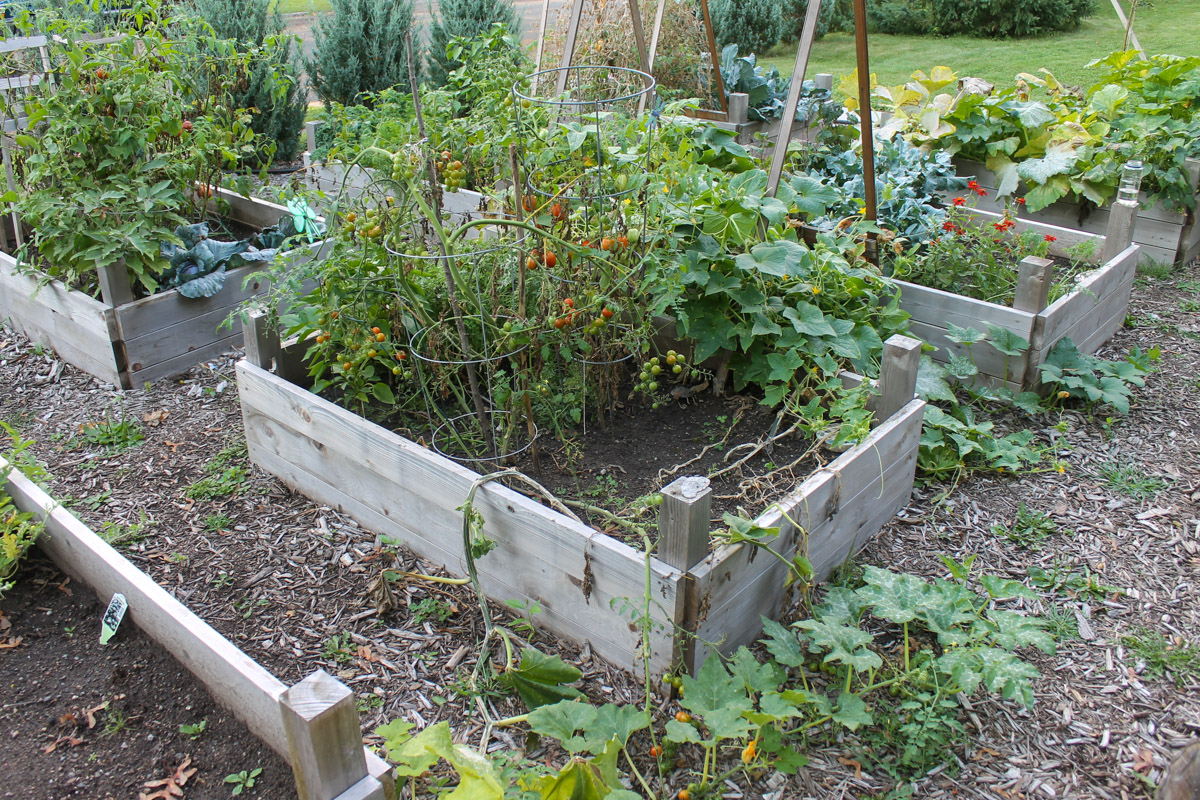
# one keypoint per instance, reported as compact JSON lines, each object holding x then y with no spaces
{"x":808,"y":35}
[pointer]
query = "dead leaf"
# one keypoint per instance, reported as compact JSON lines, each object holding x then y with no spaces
{"x":171,"y":786}
{"x":91,"y":713}
{"x":174,"y":445}
{"x":4,"y":623}
{"x":1143,"y":762}
{"x":62,"y":587}
{"x":68,"y":719}
{"x":155,"y":418}
{"x":69,"y":740}
{"x":850,"y":762}
{"x":9,"y":644}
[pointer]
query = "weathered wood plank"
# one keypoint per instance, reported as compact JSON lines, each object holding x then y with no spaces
{"x":321,"y":721}
{"x":1091,"y":289}
{"x":184,"y":361}
{"x":234,"y":679}
{"x":991,"y":362}
{"x":401,"y":489}
{"x":937,"y":307}
{"x":80,"y":329}
{"x":739,"y":584}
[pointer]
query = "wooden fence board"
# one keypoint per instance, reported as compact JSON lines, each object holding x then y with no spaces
{"x":935,"y":306}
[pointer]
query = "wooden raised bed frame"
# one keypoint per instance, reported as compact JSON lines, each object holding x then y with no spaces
{"x":313,"y":725}
{"x":129,"y":342}
{"x":581,"y":578}
{"x":1168,"y":237}
{"x":1088,"y":315}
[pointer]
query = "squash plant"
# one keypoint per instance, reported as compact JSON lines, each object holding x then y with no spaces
{"x":113,"y":153}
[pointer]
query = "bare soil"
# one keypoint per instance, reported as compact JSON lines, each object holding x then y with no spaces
{"x":96,"y":721}
{"x":289,"y":580}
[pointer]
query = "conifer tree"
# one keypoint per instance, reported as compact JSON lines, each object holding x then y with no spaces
{"x":360,"y":47}
{"x":466,"y":18}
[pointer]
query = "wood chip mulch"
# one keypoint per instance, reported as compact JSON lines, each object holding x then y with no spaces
{"x":290,"y":581}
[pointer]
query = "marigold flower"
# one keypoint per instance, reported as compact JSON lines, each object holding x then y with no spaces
{"x":960,"y":201}
{"x":1050,"y":238}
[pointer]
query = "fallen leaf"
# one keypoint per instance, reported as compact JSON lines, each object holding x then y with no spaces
{"x":174,"y":445}
{"x":68,"y":719}
{"x":62,"y":587}
{"x":364,"y":652}
{"x":91,"y":713}
{"x":4,"y":623}
{"x":9,"y":644}
{"x":850,"y":762}
{"x":155,"y":418}
{"x":1143,"y":762}
{"x":171,"y":786}
{"x":69,"y":740}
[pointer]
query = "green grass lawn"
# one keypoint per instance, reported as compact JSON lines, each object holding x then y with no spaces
{"x":292,"y":6}
{"x":1169,"y":26}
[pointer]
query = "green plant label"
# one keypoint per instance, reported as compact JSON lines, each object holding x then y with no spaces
{"x":112,"y":617}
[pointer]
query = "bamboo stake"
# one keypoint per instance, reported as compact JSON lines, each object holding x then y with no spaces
{"x":472,"y":378}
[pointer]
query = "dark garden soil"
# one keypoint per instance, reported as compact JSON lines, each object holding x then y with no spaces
{"x":641,"y":450}
{"x":290,"y":581}
{"x":98,"y":722}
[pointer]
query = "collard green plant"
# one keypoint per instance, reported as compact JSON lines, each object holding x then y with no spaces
{"x":112,"y":154}
{"x":197,"y":265}
{"x":768,"y":90}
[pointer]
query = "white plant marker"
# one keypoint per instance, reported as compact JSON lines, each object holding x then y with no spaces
{"x":112,"y":617}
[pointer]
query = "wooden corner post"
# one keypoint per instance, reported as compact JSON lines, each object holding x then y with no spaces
{"x":325,"y":742}
{"x":261,"y":338}
{"x":1119,"y":233}
{"x":897,"y":375}
{"x":683,"y":522}
{"x":115,"y":288}
{"x":1033,"y":284}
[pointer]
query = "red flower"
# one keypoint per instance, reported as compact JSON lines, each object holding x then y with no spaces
{"x":948,"y":225}
{"x":1050,"y":238}
{"x":973,"y":185}
{"x":1000,"y":226}
{"x":1020,"y":201}
{"x":960,"y":201}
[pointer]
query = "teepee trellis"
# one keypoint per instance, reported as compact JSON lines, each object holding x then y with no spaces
{"x":646,"y":55}
{"x":646,"y":58}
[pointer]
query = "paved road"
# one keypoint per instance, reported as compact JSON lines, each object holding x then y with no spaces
{"x":529,"y":11}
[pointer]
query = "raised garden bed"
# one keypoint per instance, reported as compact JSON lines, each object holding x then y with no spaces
{"x":581,"y":578}
{"x":130,"y":342}
{"x":1169,"y":237}
{"x":313,"y":724}
{"x":1088,"y":315}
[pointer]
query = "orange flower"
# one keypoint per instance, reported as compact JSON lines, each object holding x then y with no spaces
{"x":1050,"y":238}
{"x":960,"y":201}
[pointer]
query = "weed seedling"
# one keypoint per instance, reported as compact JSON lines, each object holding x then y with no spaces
{"x":1061,"y":623}
{"x":112,"y":434}
{"x":116,"y":534}
{"x":193,"y":731}
{"x":243,"y":780}
{"x":225,"y":475}
{"x":114,"y":722}
{"x":431,"y":608}
{"x":1029,"y":529}
{"x":217,"y":522}
{"x":1130,"y":480}
{"x":1162,"y":655}
{"x":339,"y":648}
